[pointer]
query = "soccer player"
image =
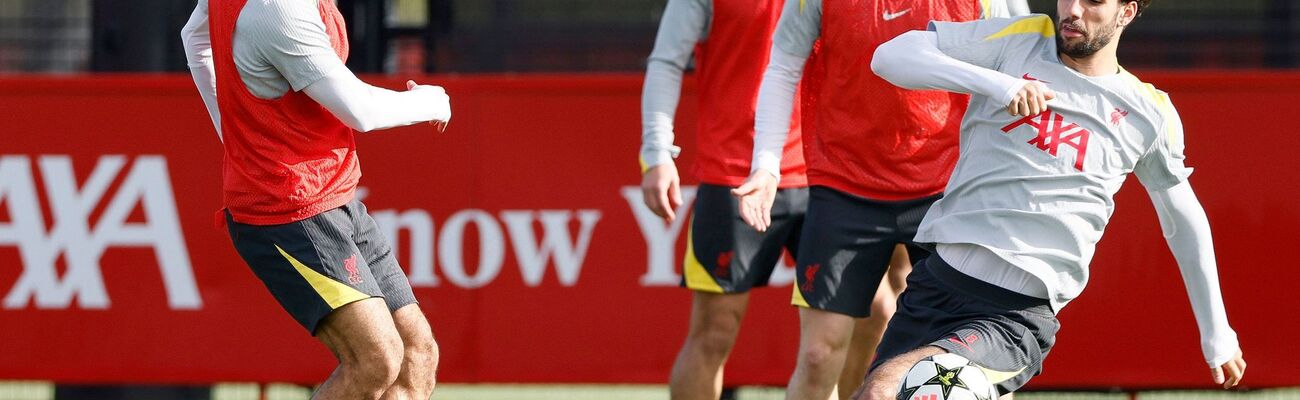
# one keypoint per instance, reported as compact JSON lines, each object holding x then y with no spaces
{"x":877,"y":157}
{"x":724,"y":258}
{"x":1055,"y":126}
{"x":271,"y":74}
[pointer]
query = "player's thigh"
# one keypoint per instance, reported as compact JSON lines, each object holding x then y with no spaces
{"x":890,"y":373}
{"x":717,"y":317}
{"x":844,"y":252}
{"x":362,"y":330}
{"x":310,"y":266}
{"x":725,"y":255}
{"x":900,"y":264}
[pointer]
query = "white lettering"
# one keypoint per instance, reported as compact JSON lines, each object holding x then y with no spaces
{"x":419,"y":226}
{"x":555,"y":242}
{"x":491,"y":249}
{"x":660,"y":238}
{"x":147,"y":185}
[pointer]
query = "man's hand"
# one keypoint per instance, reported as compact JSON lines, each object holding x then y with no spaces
{"x":662,"y":190}
{"x":756,"y":196}
{"x":442,"y":104}
{"x":1031,"y":99}
{"x":1229,"y":374}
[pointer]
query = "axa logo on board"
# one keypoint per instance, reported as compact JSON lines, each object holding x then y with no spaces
{"x":81,"y":242}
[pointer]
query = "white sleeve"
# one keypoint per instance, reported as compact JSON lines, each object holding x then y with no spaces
{"x":1187,"y":232}
{"x":913,"y":61}
{"x":365,"y":108}
{"x":198,"y":56}
{"x":792,"y":42}
{"x":684,"y":24}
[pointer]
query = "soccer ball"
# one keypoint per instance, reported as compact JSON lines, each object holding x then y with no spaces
{"x":946,"y":377}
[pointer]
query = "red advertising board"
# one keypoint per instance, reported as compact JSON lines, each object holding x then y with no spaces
{"x":524,"y":235}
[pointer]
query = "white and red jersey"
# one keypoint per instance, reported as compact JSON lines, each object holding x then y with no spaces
{"x":1038,"y":191}
{"x":286,"y":158}
{"x":864,"y":136}
{"x":731,"y":40}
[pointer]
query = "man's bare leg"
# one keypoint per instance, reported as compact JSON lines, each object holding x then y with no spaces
{"x":369,"y":349}
{"x":715,"y":321}
{"x":866,"y":336}
{"x":882,"y":383}
{"x":868,"y":331}
{"x":823,"y":344}
{"x":420,"y":356}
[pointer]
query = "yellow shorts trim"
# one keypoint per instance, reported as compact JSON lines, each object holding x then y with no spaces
{"x":333,"y":292}
{"x":697,"y":277}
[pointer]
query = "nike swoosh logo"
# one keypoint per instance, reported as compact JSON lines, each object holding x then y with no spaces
{"x":1030,"y":78}
{"x":888,"y":16}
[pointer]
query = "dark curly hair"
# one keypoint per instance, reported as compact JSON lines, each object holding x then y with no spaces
{"x":1142,"y":5}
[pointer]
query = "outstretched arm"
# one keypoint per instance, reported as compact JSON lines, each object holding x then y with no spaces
{"x":913,"y":61}
{"x":290,"y":37}
{"x":1187,"y":232}
{"x":198,"y":56}
{"x":366,"y":108}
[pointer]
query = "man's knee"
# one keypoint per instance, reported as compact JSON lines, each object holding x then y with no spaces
{"x":715,"y":338}
{"x":423,"y":349}
{"x":717,"y":323}
{"x":378,"y":366}
{"x":884,"y":305}
{"x":822,"y":354}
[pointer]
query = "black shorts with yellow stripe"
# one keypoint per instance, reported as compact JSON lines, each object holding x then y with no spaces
{"x":725,"y":255}
{"x":847,"y":244}
{"x":316,"y":265}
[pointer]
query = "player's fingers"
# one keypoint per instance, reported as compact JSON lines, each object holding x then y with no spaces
{"x":1217,"y":374}
{"x":752,"y":210}
{"x":1049,"y":94}
{"x":746,"y":214}
{"x":1011,"y":108}
{"x":1232,"y":374}
{"x":1041,"y":99}
{"x":652,"y":201}
{"x":1022,"y":108}
{"x":675,"y":194}
{"x":768,"y":200}
{"x":410,"y":85}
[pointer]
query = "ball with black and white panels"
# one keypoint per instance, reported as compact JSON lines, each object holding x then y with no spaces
{"x":946,"y":377}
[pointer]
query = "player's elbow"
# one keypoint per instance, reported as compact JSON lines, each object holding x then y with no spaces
{"x":885,"y":60}
{"x":353,"y":119}
{"x":187,"y":41}
{"x":360,"y":125}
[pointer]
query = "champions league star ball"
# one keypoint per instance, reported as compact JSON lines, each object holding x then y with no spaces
{"x":946,"y":377}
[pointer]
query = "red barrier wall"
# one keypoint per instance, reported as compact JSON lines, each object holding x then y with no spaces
{"x":519,"y":228}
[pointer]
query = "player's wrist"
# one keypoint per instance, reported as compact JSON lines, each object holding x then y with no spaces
{"x":1009,"y":88}
{"x":655,"y":156}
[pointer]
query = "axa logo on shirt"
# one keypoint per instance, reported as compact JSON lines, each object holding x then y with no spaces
{"x":80,"y":242}
{"x":1053,"y":132}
